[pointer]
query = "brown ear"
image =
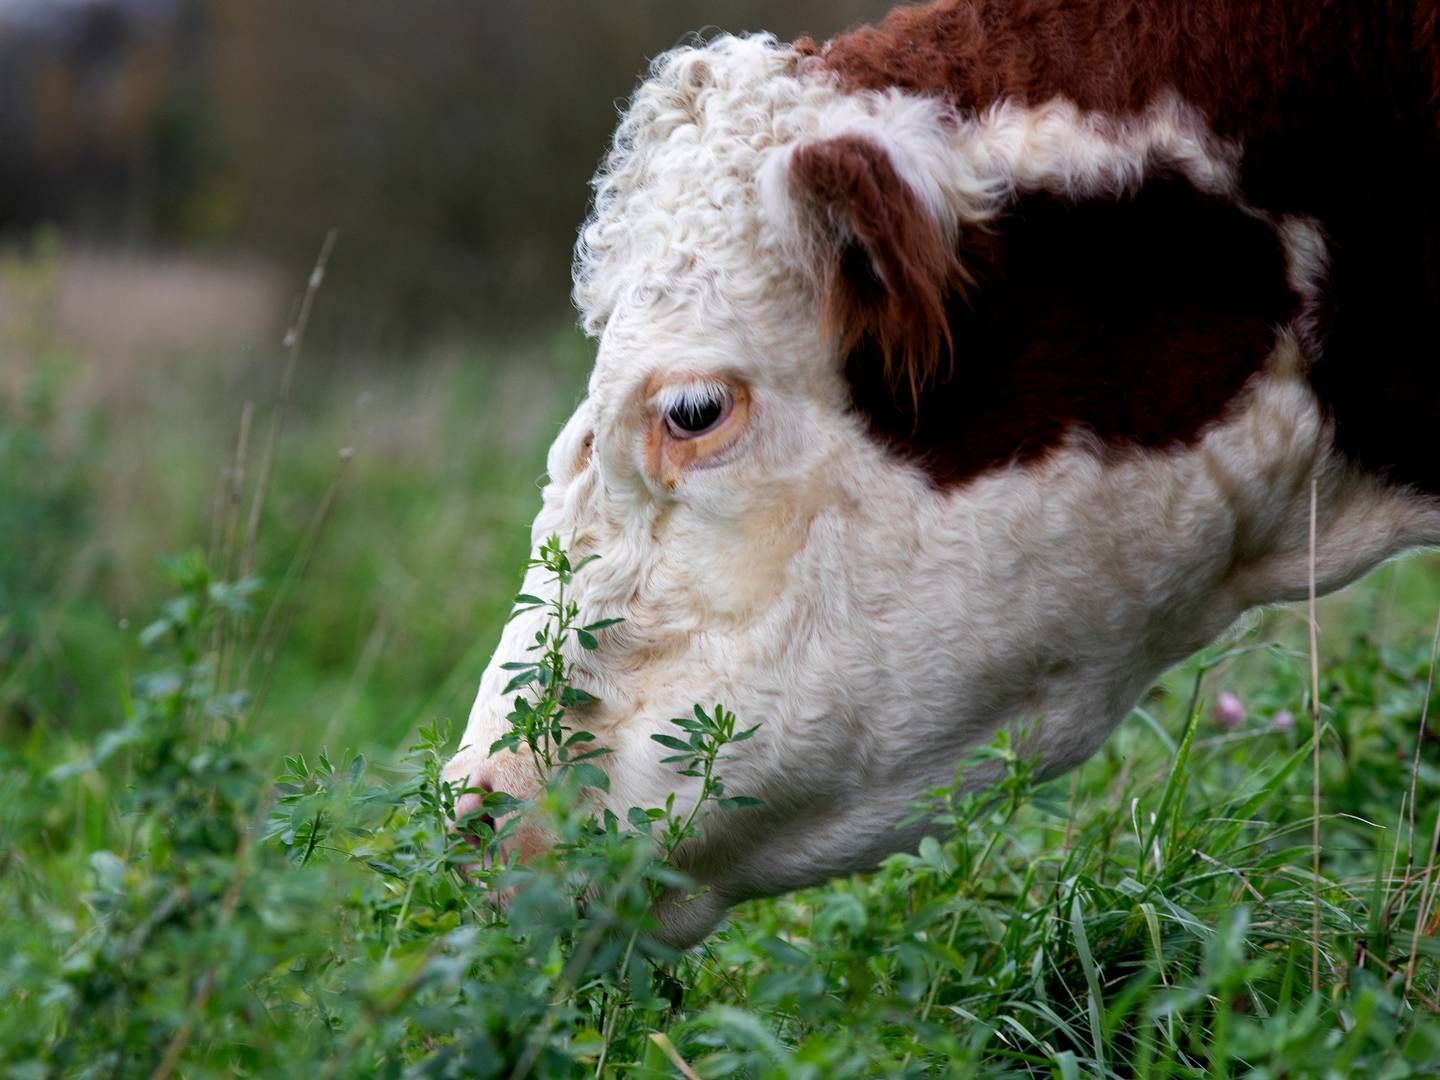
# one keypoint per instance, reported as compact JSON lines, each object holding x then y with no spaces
{"x":889,"y":266}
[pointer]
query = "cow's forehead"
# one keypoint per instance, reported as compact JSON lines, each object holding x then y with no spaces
{"x":695,"y":326}
{"x":678,"y":197}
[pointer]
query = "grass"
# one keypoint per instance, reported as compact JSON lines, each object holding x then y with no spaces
{"x":223,"y":845}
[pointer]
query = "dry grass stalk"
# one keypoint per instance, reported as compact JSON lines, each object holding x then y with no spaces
{"x":227,"y":628}
{"x":293,"y":342}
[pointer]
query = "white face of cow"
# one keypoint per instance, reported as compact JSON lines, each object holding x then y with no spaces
{"x":767,"y":562}
{"x":767,"y":552}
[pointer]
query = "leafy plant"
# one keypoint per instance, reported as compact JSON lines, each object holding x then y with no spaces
{"x":340,"y":915}
{"x":539,"y":722}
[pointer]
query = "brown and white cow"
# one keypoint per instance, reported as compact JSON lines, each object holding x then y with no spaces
{"x":971,"y":369}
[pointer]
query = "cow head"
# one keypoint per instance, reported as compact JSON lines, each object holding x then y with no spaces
{"x":883,"y":463}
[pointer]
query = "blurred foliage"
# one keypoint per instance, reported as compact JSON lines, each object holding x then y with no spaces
{"x":58,"y":647}
{"x":44,"y":518}
{"x":451,"y":143}
{"x":104,"y":465}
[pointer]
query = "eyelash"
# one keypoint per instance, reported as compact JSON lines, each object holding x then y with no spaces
{"x":696,"y":395}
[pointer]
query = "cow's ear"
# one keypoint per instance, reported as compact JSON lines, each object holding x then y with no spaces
{"x":888,"y":264}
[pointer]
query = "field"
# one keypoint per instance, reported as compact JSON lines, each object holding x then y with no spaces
{"x":222,"y":836}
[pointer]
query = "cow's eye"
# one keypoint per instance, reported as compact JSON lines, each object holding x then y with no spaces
{"x":697,"y":412}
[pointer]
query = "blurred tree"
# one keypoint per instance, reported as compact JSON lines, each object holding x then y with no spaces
{"x":81,"y":84}
{"x":451,"y":142}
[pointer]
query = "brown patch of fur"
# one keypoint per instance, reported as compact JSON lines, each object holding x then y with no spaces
{"x":889,"y":268}
{"x":1327,"y":97}
{"x":1139,"y":323}
{"x":1246,"y":64}
{"x":1336,"y":106}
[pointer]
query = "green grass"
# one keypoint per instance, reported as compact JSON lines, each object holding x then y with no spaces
{"x":207,"y":874}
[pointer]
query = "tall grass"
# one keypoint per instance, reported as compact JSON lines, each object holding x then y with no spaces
{"x":224,"y":843}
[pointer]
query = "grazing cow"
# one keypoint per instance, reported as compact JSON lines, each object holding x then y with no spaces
{"x":971,"y":369}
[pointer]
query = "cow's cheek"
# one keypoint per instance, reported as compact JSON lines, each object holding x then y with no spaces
{"x":716,"y":572}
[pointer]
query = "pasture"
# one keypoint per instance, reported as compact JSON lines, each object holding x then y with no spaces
{"x":241,"y":619}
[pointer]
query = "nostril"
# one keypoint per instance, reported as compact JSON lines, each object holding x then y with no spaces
{"x":471,"y":800}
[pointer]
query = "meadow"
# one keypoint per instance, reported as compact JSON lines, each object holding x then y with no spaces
{"x":245,"y":597}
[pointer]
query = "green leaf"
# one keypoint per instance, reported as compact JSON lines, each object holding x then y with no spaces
{"x":151,"y":635}
{"x":602,"y":624}
{"x":509,"y":741}
{"x":590,"y":776}
{"x":1068,"y":1065}
{"x":672,"y":743}
{"x":109,"y":870}
{"x":525,"y":678}
{"x":737,"y":802}
{"x":1094,"y":1001}
{"x":587,"y":640}
{"x":638,"y":819}
{"x":500,"y":803}
{"x":599,"y":751}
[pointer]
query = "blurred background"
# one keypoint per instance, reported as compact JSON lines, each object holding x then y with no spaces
{"x":450,"y":142}
{"x":168,"y":171}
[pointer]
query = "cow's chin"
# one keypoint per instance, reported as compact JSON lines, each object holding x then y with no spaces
{"x":686,"y":920}
{"x":682,"y":918}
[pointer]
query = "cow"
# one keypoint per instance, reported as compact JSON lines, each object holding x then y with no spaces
{"x":970,"y":370}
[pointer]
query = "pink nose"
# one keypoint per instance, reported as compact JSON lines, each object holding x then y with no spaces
{"x":477,"y":786}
